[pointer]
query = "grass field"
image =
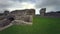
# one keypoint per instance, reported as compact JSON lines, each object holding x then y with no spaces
{"x":40,"y":25}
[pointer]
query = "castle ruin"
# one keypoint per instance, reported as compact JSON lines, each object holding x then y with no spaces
{"x":42,"y":12}
{"x":23,"y":15}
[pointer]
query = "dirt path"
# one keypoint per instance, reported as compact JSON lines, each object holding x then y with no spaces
{"x":6,"y":27}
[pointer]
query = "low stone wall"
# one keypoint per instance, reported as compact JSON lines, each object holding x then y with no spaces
{"x":2,"y":28}
{"x":28,"y":19}
{"x":21,"y":22}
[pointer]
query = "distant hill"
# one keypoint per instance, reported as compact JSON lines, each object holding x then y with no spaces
{"x":57,"y":13}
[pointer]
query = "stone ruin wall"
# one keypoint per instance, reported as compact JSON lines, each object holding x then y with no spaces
{"x":42,"y":11}
{"x":24,"y":15}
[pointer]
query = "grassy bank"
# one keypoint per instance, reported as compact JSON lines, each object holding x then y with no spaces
{"x":40,"y":25}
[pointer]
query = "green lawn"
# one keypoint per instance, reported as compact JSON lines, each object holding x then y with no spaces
{"x":40,"y":25}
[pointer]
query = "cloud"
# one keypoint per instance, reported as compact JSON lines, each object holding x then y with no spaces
{"x":31,"y":1}
{"x":16,"y":4}
{"x":19,"y":6}
{"x":37,"y":4}
{"x":5,"y":4}
{"x":51,"y":5}
{"x":43,"y":3}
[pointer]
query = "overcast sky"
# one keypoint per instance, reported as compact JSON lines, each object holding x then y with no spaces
{"x":51,"y":5}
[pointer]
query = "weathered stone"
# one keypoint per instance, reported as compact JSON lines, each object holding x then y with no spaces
{"x":42,"y":11}
{"x":25,"y":15}
{"x":6,"y":21}
{"x":19,"y":17}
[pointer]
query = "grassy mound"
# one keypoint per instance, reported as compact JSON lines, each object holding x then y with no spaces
{"x":41,"y":25}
